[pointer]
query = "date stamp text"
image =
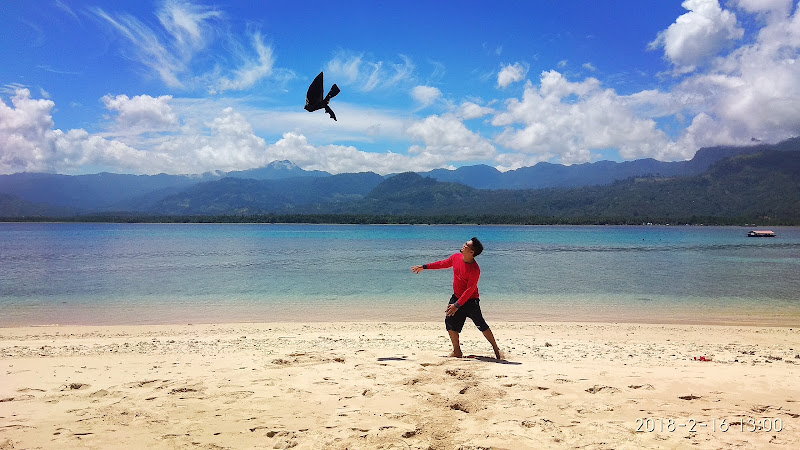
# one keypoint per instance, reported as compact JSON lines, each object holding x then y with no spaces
{"x":743,"y":424}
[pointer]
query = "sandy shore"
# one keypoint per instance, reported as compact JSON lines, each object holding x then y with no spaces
{"x":379,"y":385}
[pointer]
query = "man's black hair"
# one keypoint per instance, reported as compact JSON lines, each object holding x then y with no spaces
{"x":477,"y":247}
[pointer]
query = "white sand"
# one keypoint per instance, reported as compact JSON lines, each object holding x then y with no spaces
{"x":378,"y":385}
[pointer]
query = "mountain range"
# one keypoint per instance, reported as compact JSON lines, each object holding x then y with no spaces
{"x":758,"y":181}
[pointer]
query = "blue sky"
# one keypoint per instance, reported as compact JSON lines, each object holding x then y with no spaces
{"x":173,"y":86}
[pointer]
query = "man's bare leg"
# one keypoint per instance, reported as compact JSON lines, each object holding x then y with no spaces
{"x":456,"y":345}
{"x":490,"y":337}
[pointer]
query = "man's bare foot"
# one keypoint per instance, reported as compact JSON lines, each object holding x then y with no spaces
{"x":456,"y":355}
{"x":499,"y":355}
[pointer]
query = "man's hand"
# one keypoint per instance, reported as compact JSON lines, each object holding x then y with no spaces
{"x":451,"y":309}
{"x":416,"y":269}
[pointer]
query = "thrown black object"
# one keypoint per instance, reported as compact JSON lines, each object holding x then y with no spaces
{"x":314,"y":100}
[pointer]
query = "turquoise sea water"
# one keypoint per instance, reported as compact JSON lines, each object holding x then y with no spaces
{"x":191,"y":273}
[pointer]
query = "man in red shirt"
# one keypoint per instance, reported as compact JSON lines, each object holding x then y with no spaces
{"x":465,"y":301}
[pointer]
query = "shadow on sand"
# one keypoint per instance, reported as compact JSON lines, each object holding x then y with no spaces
{"x":493,"y":360}
{"x":475,"y":357}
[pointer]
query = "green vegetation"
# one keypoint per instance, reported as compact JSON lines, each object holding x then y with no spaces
{"x":761,"y":188}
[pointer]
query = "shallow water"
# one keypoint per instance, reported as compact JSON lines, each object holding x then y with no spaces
{"x":182,"y":273}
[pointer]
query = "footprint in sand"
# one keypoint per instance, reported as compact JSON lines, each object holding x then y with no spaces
{"x":100,"y":393}
{"x":182,"y":390}
{"x":760,"y":409}
{"x":428,"y":364}
{"x":305,"y":359}
{"x":17,"y":398}
{"x":459,"y":374}
{"x":196,"y":391}
{"x":233,"y":396}
{"x":596,"y":389}
{"x":138,"y":384}
{"x":412,"y":381}
{"x":73,"y":387}
{"x":457,"y":406}
{"x":30,"y":390}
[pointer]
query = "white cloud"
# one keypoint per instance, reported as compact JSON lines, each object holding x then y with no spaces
{"x":470,"y":110}
{"x":346,"y":67}
{"x":146,"y":47}
{"x":347,"y":159}
{"x":22,"y":125}
{"x":188,"y":24}
{"x":729,"y":97}
{"x":356,"y":123}
{"x":590,"y":67}
{"x":29,"y":143}
{"x":752,"y":92}
{"x":426,"y":95}
{"x":188,"y":30}
{"x":511,"y":73}
{"x":142,"y":111}
{"x":59,"y":4}
{"x":252,"y":70}
{"x":226,"y":141}
{"x":570,"y":120}
{"x":698,"y":35}
{"x":447,"y":137}
{"x":354,"y":69}
{"x":780,"y":7}
{"x":705,"y":131}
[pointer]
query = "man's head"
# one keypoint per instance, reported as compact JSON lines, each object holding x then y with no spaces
{"x":473,"y":245}
{"x":477,"y":247}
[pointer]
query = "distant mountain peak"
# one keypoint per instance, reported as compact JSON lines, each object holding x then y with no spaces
{"x":283,"y":165}
{"x":277,"y":170}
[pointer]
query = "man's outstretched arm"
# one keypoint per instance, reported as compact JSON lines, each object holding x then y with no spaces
{"x":443,"y":264}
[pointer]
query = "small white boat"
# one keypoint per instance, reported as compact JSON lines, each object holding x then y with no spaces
{"x":761,"y":233}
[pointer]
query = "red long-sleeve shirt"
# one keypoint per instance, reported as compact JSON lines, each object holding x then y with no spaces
{"x":465,"y":276}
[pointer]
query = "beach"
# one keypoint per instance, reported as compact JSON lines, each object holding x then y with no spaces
{"x":390,"y":385}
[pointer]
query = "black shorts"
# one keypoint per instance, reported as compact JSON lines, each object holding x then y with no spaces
{"x":471,"y":309}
